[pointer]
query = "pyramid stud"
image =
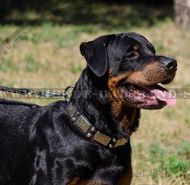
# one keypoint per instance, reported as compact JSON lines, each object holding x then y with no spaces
{"x":78,"y":113}
{"x":114,"y":140}
{"x":93,"y":129}
{"x":89,"y":135}
{"x":110,"y":146}
{"x":73,"y":119}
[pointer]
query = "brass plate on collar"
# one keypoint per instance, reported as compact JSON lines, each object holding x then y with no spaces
{"x":101,"y":138}
{"x":120,"y":142}
{"x":82,"y":124}
{"x":71,"y":110}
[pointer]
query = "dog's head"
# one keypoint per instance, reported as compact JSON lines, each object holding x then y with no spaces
{"x":132,"y":68}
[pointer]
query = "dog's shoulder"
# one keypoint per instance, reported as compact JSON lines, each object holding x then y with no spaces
{"x":59,"y":104}
{"x":58,"y":107}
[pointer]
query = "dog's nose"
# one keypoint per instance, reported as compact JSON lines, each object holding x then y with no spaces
{"x":169,"y":64}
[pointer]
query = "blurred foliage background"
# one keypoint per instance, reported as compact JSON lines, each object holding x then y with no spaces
{"x":40,"y":49}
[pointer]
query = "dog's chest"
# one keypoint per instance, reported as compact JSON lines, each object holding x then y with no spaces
{"x":97,"y":169}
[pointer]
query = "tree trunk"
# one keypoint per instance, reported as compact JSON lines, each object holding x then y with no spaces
{"x":182,"y":13}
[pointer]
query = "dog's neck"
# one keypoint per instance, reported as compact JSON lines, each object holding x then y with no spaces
{"x":98,"y":110}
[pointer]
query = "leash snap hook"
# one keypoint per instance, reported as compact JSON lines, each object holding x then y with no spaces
{"x":66,"y":96}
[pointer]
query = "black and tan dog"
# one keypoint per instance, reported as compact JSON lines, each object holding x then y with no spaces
{"x":86,"y":142}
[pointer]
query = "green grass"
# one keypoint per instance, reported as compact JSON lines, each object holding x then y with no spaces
{"x":170,"y":162}
{"x":156,"y":153}
{"x":6,"y":65}
{"x":175,"y":164}
{"x":75,"y":69}
{"x":31,"y":65}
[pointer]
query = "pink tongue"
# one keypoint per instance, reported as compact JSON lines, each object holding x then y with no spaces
{"x":164,"y":95}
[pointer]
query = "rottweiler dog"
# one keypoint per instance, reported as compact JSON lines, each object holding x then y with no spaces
{"x":87,"y":140}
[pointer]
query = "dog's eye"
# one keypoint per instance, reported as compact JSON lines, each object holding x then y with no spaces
{"x":132,"y":55}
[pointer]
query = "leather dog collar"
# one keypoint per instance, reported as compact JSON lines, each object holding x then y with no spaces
{"x":90,"y":131}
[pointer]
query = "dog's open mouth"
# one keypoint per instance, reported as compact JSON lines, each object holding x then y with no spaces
{"x":148,"y":97}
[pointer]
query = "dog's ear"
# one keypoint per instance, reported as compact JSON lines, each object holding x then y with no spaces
{"x":95,"y":53}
